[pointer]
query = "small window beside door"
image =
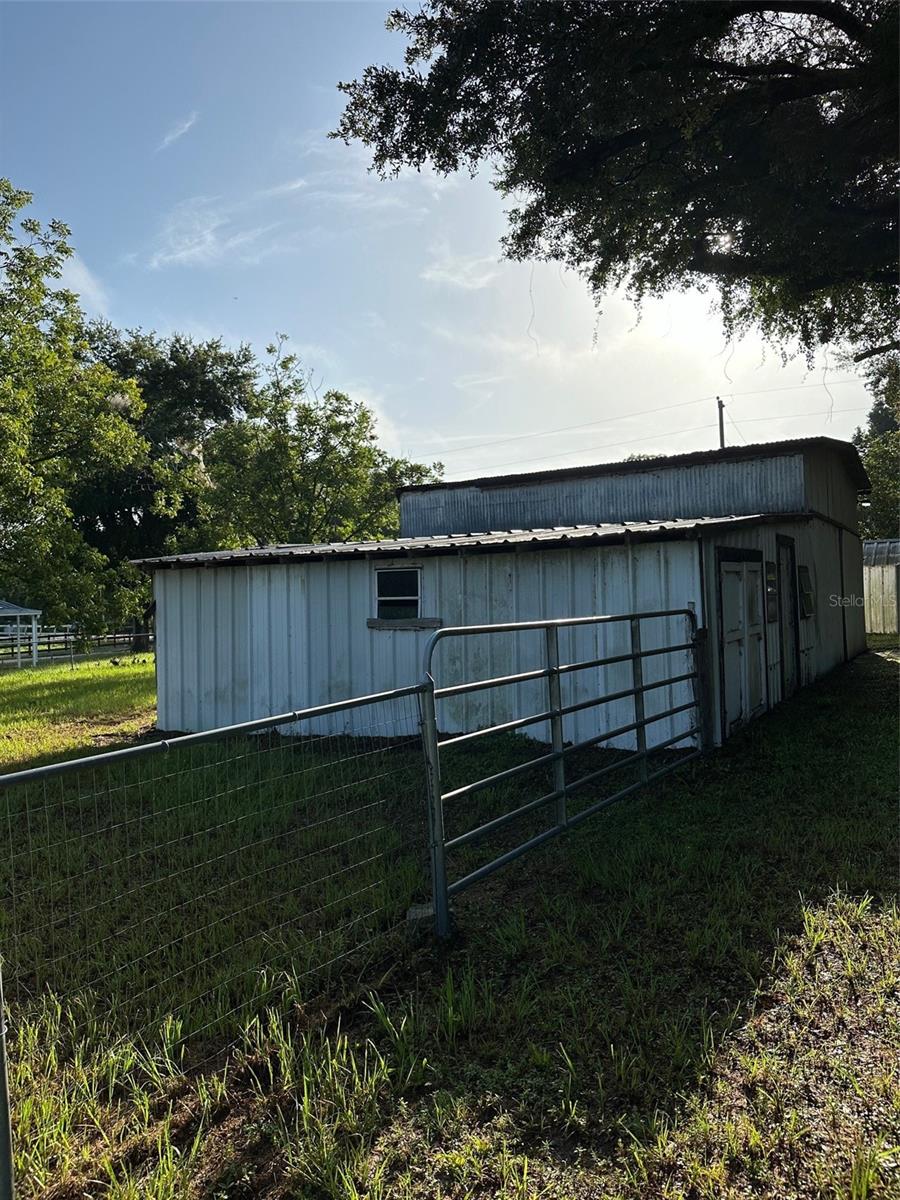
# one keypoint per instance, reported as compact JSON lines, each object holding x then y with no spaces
{"x":807,"y":594}
{"x":771,"y":592}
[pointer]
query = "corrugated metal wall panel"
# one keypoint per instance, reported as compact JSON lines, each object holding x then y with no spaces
{"x":822,"y":637}
{"x":238,"y":643}
{"x":854,"y":575}
{"x":829,"y":490}
{"x":529,"y":586}
{"x":766,"y":484}
{"x":202,"y":650}
{"x":167,"y":649}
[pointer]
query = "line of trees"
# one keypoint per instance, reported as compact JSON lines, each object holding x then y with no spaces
{"x":117,"y":444}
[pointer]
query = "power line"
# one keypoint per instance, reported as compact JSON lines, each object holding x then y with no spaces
{"x":790,"y":387}
{"x":737,"y":427}
{"x":518,"y":437}
{"x":821,"y":412}
{"x":643,"y":412}
{"x":603,"y":446}
{"x":654,"y":436}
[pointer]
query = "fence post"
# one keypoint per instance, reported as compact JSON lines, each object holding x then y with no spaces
{"x":434,"y":804}
{"x":554,"y":693}
{"x":703,"y":688}
{"x":637,"y":676}
{"x":7,"y":1176}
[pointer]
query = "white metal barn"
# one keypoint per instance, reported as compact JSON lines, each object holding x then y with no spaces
{"x":762,"y":541}
{"x":881,"y":582}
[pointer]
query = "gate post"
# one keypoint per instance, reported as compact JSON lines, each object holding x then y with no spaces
{"x":554,"y":693}
{"x":703,"y":688}
{"x":637,"y":675}
{"x":434,"y":804}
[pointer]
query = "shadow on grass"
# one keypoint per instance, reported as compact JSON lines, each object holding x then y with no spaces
{"x":588,"y":984}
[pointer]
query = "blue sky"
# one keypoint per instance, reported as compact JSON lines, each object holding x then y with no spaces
{"x":185,"y":144}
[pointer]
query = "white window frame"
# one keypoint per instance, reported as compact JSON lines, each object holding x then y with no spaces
{"x":378,"y":598}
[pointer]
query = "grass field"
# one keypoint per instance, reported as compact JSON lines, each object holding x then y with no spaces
{"x":52,"y":712}
{"x":884,"y":643}
{"x":695,"y":995}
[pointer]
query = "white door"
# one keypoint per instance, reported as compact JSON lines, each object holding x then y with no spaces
{"x":743,"y":646}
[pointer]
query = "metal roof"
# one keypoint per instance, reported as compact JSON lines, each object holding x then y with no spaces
{"x":452,"y":543}
{"x":846,"y":450}
{"x":8,"y":609}
{"x":882,"y":553}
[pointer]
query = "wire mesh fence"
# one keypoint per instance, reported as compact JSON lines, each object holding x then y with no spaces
{"x":180,"y":886}
{"x":182,"y":883}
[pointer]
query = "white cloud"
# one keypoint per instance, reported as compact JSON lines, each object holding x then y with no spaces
{"x":513,"y":350}
{"x":341,"y":175}
{"x":202,"y":231}
{"x":191,"y":233}
{"x":365,"y":199}
{"x":282,"y":189}
{"x":476,"y":381}
{"x":178,"y":130}
{"x":466,"y":271}
{"x":313,"y":142}
{"x":76,"y":277}
{"x":478,"y":388}
{"x":389,"y":432}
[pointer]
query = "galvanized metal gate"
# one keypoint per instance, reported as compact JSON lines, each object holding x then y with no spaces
{"x":559,"y":753}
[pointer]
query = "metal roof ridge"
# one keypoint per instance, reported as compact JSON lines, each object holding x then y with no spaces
{"x":386,"y":546}
{"x":660,"y":462}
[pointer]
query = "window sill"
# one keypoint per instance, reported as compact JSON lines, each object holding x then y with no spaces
{"x":405,"y":623}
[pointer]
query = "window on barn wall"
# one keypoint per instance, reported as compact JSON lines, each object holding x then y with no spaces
{"x":807,"y":595}
{"x":398,"y":594}
{"x":771,"y":592}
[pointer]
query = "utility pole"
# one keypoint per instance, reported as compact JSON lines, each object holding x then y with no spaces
{"x":721,"y":422}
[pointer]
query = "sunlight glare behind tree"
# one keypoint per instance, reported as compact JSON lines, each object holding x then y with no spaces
{"x":668,"y":144}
